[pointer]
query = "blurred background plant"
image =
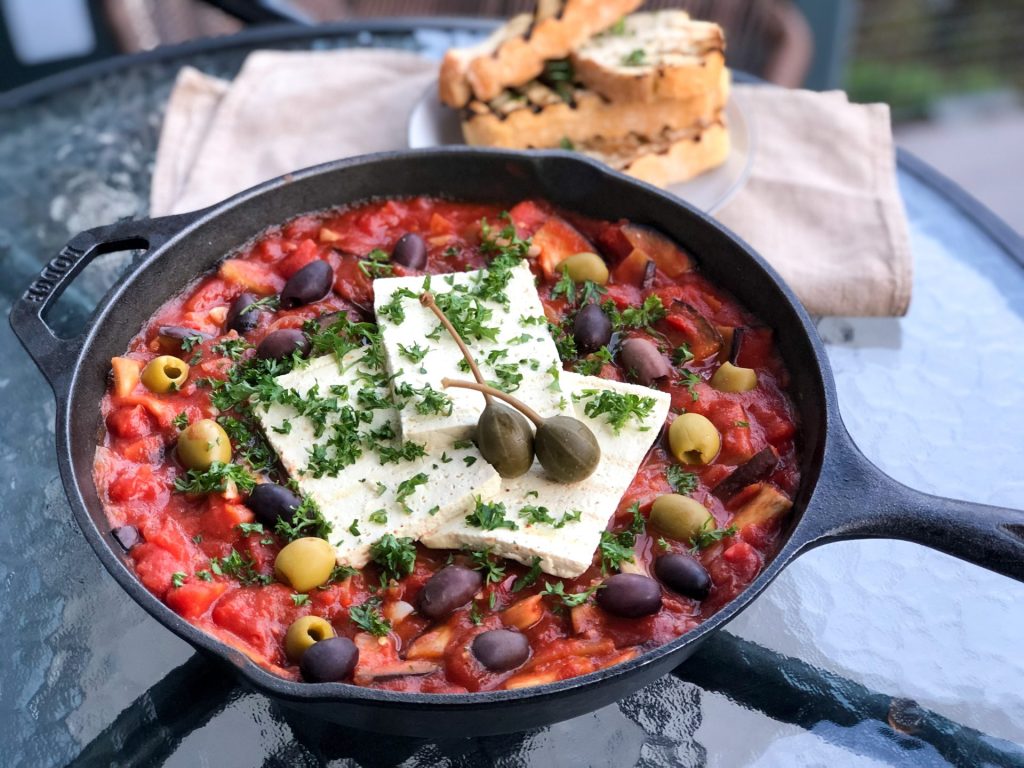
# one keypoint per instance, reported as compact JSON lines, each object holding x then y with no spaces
{"x":952,"y":71}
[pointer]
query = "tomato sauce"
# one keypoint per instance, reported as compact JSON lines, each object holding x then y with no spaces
{"x":181,"y":534}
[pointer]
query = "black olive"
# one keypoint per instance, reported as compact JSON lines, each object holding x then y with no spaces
{"x":567,"y":449}
{"x":410,"y":251}
{"x":450,"y":588}
{"x":592,"y":329}
{"x":329,"y":661}
{"x":630,"y":595}
{"x":683,"y":574}
{"x":281,"y":344}
{"x":127,"y":536}
{"x":501,"y":649}
{"x":505,"y":440}
{"x":271,"y":502}
{"x":309,"y":284}
{"x":239,"y":318}
{"x":643,"y":362}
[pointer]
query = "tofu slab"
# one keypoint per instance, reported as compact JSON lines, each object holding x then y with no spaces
{"x":439,"y":487}
{"x":523,"y":342}
{"x":567,"y":551}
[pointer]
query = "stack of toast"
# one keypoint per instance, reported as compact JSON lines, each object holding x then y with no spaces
{"x":643,"y":92}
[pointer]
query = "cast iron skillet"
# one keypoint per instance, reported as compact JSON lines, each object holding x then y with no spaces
{"x":842,"y":495}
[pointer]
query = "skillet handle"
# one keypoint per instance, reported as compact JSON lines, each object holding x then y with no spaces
{"x":55,"y":356}
{"x":864,"y":502}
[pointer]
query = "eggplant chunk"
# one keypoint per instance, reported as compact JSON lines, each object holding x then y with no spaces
{"x":769,"y":503}
{"x":703,"y":338}
{"x":754,"y":469}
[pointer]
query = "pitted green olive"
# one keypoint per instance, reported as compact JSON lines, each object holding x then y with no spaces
{"x":303,"y":633}
{"x":203,"y":443}
{"x":166,"y":373}
{"x":305,"y":563}
{"x":693,"y":439}
{"x":679,"y":516}
{"x":585,"y":266}
{"x":732,"y":378}
{"x":505,"y":440}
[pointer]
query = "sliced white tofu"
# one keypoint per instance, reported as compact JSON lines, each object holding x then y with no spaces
{"x":374,"y":493}
{"x":514,"y":350}
{"x":567,"y":549}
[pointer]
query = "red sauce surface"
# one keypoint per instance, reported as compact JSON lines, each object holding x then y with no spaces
{"x":136,"y":466}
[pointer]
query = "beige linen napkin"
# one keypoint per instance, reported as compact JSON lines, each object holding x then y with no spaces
{"x":821,"y":203}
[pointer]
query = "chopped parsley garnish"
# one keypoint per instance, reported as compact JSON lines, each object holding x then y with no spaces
{"x":529,"y":578}
{"x":308,"y":520}
{"x":190,"y":342}
{"x":635,"y":58}
{"x":240,"y":567}
{"x":250,"y":528}
{"x":681,"y":481}
{"x":197,"y":539}
{"x":592,"y":364}
{"x":180,"y":421}
{"x":415,"y":353}
{"x":408,"y":451}
{"x":617,"y":546}
{"x":393,"y":309}
{"x":682,"y":354}
{"x":268,"y":303}
{"x":468,"y":314}
{"x":300,"y":600}
{"x":743,"y":424}
{"x":354,"y":528}
{"x":644,"y":316}
{"x":284,"y":429}
{"x":509,"y":377}
{"x":215,"y":479}
{"x":205,"y":575}
{"x":568,"y":599}
{"x":566,"y":143}
{"x":231,"y":348}
{"x":618,"y":28}
{"x":617,"y":407}
{"x":431,"y":401}
{"x":710,"y":533}
{"x":533,"y":514}
{"x":476,"y":615}
{"x":379,"y":516}
{"x":340,"y":573}
{"x":407,"y":487}
{"x":690,"y":380}
{"x":177,"y":579}
{"x":396,"y":556}
{"x":490,"y":516}
{"x":376,"y":264}
{"x":369,"y":619}
{"x":494,"y":571}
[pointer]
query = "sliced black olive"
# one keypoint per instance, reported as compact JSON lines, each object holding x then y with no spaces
{"x":752,"y":470}
{"x":448,"y":589}
{"x":240,"y":318}
{"x":683,"y":574}
{"x":630,"y":595}
{"x":271,"y":502}
{"x":127,"y":536}
{"x":281,"y":344}
{"x":410,"y":251}
{"x":501,"y":649}
{"x":309,"y":284}
{"x":592,"y":329}
{"x":329,"y":661}
{"x":643,"y":361}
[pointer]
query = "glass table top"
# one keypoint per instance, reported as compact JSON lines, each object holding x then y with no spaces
{"x":861,"y":653}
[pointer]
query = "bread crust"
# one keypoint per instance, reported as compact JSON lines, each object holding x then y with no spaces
{"x":552,"y":122}
{"x":513,"y":57}
{"x":680,"y":57}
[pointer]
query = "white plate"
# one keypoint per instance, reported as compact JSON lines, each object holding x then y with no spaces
{"x":432,"y":124}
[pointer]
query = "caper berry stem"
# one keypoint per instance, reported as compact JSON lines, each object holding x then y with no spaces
{"x":427,"y":300}
{"x":516,"y":403}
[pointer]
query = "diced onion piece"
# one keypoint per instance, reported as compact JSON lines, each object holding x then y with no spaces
{"x":395,"y":612}
{"x":530,"y":679}
{"x":218,"y":315}
{"x":328,"y":235}
{"x":525,"y":613}
{"x":430,"y":645}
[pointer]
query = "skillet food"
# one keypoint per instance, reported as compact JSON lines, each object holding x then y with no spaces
{"x":433,"y":446}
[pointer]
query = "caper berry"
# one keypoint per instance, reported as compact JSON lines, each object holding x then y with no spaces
{"x":203,"y":443}
{"x":567,"y":449}
{"x":505,"y":440}
{"x":305,"y":563}
{"x":303,"y":633}
{"x":166,"y":373}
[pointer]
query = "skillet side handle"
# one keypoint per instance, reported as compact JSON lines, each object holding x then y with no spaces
{"x":864,"y":502}
{"x":55,"y":356}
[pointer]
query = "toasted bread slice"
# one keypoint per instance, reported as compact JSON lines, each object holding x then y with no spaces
{"x":673,"y":157}
{"x":539,"y":116}
{"x":515,"y":53}
{"x":659,"y":55}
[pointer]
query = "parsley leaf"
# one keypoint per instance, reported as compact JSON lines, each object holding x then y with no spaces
{"x":710,"y":533}
{"x":300,"y":600}
{"x":681,"y":481}
{"x":177,"y":579}
{"x":490,"y":516}
{"x":529,"y":578}
{"x":307,"y":520}
{"x":568,"y":599}
{"x":635,"y":58}
{"x":494,"y":571}
{"x":369,"y":619}
{"x":215,"y":479}
{"x":396,"y":556}
{"x":240,"y":567}
{"x":617,"y":407}
{"x":181,"y":421}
